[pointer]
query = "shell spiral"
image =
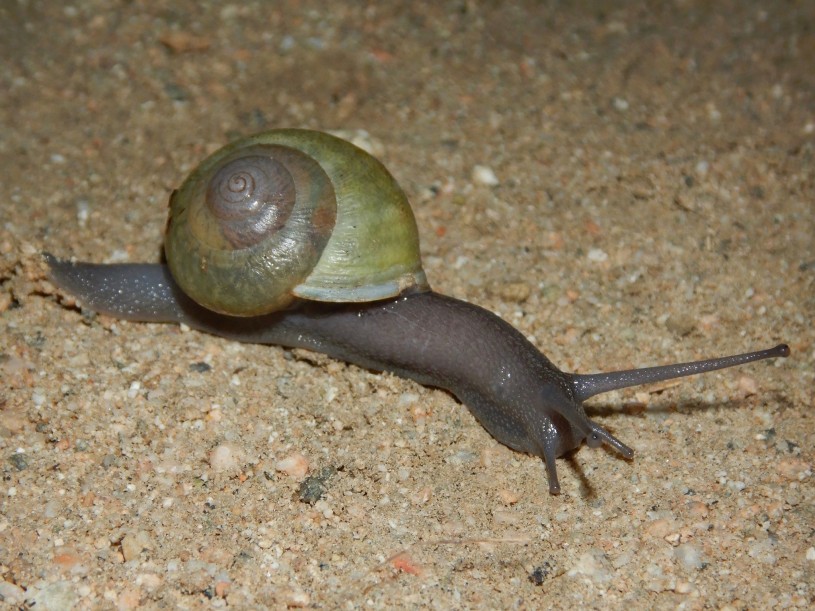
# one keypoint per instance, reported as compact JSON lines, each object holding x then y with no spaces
{"x":251,"y":197}
{"x":291,"y":214}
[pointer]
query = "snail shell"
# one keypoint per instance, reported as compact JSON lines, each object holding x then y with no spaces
{"x":291,"y":213}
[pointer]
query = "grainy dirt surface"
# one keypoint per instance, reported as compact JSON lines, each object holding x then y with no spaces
{"x":655,"y":203}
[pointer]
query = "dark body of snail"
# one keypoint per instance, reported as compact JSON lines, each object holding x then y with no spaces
{"x":513,"y":390}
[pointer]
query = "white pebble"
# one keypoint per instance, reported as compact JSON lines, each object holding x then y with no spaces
{"x":621,"y":104}
{"x":483,"y":175}
{"x":10,"y":593}
{"x":223,"y":458}
{"x":688,"y":556}
{"x":362,"y":139}
{"x":597,"y":255}
{"x":287,"y":44}
{"x":408,"y":398}
{"x":295,"y":465}
{"x":83,"y":211}
{"x":57,"y":595}
{"x":461,"y":261}
{"x":133,"y":391}
{"x":133,"y":544}
{"x":120,"y":255}
{"x":592,"y":565}
{"x":296,"y":598}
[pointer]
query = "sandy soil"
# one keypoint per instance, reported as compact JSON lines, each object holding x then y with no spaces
{"x":654,"y":203}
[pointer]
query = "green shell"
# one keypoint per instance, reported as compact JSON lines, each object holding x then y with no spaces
{"x":350,"y":237}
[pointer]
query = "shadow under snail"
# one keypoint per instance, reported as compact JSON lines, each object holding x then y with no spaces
{"x":301,"y":239}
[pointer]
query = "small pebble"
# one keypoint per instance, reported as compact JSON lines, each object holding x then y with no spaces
{"x":516,"y":292}
{"x":119,"y":255}
{"x":681,"y":324}
{"x":11,"y":594}
{"x":408,"y":398}
{"x":482,"y":175}
{"x":362,"y":139}
{"x":133,"y":391}
{"x":128,"y":599}
{"x":67,"y":559}
{"x":508,"y":497}
{"x":763,"y":550}
{"x":294,"y":465}
{"x":505,"y":517}
{"x":149,"y":581}
{"x":462,"y":457}
{"x":55,"y":597}
{"x":313,"y":487}
{"x":422,"y":496}
{"x":684,"y":587}
{"x":597,"y":256}
{"x":623,"y":559}
{"x":83,"y":211}
{"x":184,"y":42}
{"x":295,"y":598}
{"x":134,"y":543}
{"x":698,"y":509}
{"x":5,"y":301}
{"x":19,"y":461}
{"x":222,"y":588}
{"x":659,"y":528}
{"x":620,"y":104}
{"x":688,"y":556}
{"x":224,"y":458}
{"x":287,"y":43}
{"x":540,"y":573}
{"x":747,"y":386}
{"x":592,"y":565}
{"x":793,"y":469}
{"x":659,"y":582}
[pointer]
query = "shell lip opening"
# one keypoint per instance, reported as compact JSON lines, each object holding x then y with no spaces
{"x":362,"y":294}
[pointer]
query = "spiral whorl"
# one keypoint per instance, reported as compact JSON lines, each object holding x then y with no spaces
{"x":252,"y":197}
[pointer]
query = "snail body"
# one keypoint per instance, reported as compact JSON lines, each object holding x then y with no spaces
{"x":357,"y":293}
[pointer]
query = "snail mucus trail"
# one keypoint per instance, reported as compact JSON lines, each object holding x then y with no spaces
{"x":300,"y":239}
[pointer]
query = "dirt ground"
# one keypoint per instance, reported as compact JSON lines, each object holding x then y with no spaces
{"x":646,"y":195}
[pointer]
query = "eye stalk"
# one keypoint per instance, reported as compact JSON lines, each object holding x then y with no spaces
{"x":589,"y":385}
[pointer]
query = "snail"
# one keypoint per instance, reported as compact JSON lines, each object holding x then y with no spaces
{"x":301,"y":239}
